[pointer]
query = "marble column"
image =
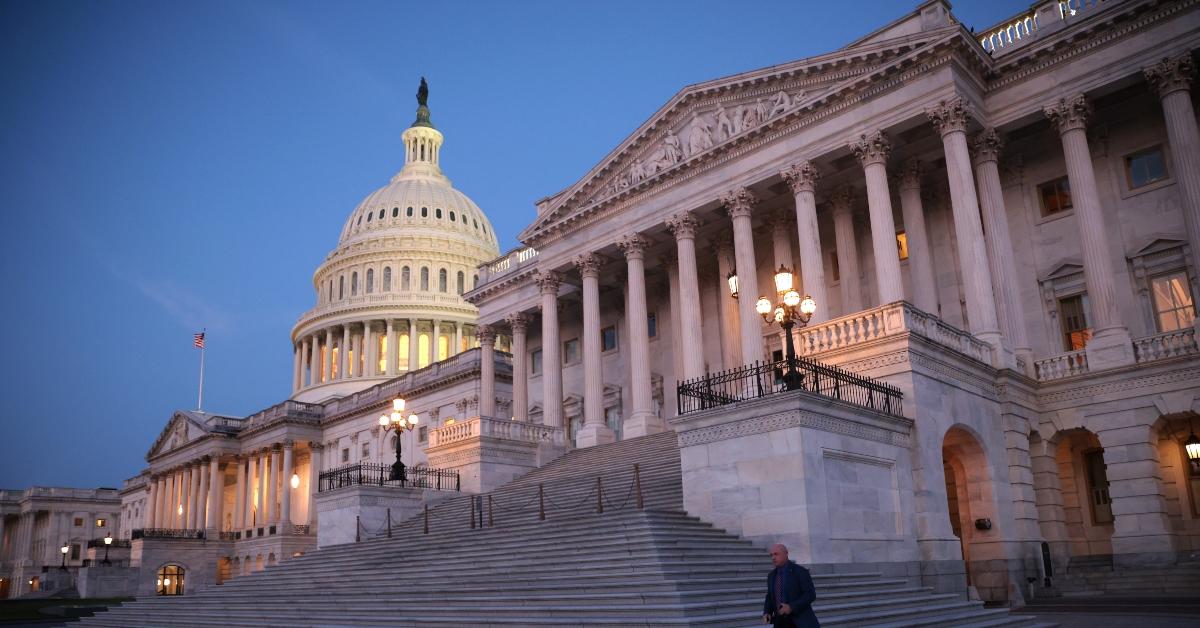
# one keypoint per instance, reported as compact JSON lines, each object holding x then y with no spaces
{"x":643,"y":420}
{"x":161,"y":515}
{"x":920,"y":252}
{"x":1110,"y":345}
{"x":314,"y":483}
{"x":195,"y":501}
{"x":950,"y":118}
{"x":548,"y":283}
{"x":314,"y":360}
{"x":520,"y":384}
{"x":302,"y":376}
{"x":691,"y":332}
{"x":186,"y":514}
{"x":802,"y":178}
{"x":435,"y":341}
{"x":487,"y":370}
{"x":1172,"y":79}
{"x":296,"y":362}
{"x":988,"y":145}
{"x":285,"y":488}
{"x":391,"y":348}
{"x":239,"y":495}
{"x":842,"y":201}
{"x":271,"y":480}
{"x":594,"y":431}
{"x":370,"y":350}
{"x":739,"y":203}
{"x":216,"y":495}
{"x":202,"y":496}
{"x":873,"y":150}
{"x":151,"y":503}
{"x":669,"y":263}
{"x":413,"y":346}
{"x":327,"y":358}
{"x":458,"y":338}
{"x":731,"y":342}
{"x":344,"y":354}
{"x":253,"y":514}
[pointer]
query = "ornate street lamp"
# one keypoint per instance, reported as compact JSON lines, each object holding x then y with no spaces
{"x":107,"y":542}
{"x":789,"y":310}
{"x":64,"y":549}
{"x":396,"y":421}
{"x":732,"y":280}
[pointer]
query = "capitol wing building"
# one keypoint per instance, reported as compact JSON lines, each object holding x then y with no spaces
{"x":923,"y":306}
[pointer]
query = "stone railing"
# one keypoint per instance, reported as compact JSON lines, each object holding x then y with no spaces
{"x":1060,"y":366}
{"x":508,"y":263}
{"x":487,"y":427}
{"x":405,"y":298}
{"x":1015,"y":31}
{"x":1168,"y":345}
{"x":287,"y":409}
{"x":885,"y":321}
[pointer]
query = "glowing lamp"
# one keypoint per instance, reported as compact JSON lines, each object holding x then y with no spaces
{"x":179,"y":510}
{"x":779,"y":315}
{"x":398,"y":404}
{"x":1192,"y":447}
{"x":791,"y":298}
{"x":108,"y":539}
{"x":763,"y":306}
{"x":383,"y":420}
{"x":732,"y":280}
{"x":295,"y":480}
{"x":808,"y":306}
{"x":412,"y":419}
{"x":64,"y":549}
{"x":166,"y":582}
{"x":783,"y":279}
{"x":397,"y":417}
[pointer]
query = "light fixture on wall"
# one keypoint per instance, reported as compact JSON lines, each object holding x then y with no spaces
{"x":295,"y":480}
{"x":1192,"y":447}
{"x":732,"y":280}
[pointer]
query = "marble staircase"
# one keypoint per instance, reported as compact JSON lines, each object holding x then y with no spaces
{"x":655,"y":566}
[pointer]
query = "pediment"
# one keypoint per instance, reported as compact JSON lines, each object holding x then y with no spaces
{"x":710,"y":117}
{"x":1156,"y":243}
{"x":182,"y":429}
{"x":1062,"y":269}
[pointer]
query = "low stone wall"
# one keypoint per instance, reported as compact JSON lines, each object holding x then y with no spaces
{"x":107,"y":581}
{"x":339,"y":511}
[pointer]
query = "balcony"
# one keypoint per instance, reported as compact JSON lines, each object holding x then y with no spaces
{"x":1165,"y":346}
{"x":887,"y":321}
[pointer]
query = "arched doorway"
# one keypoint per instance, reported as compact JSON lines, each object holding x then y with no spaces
{"x":169,"y":580}
{"x":970,"y":500}
{"x":1086,"y":502}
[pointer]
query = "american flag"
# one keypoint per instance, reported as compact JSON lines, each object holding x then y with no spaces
{"x":198,"y":340}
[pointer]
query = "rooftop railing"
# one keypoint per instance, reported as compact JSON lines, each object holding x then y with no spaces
{"x":510,"y":262}
{"x":1023,"y":28}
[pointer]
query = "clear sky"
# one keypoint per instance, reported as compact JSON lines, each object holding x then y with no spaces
{"x":167,"y":166}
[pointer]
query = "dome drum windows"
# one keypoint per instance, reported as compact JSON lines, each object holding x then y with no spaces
{"x":442,"y":280}
{"x":395,"y":212}
{"x":369,"y":215}
{"x":460,"y":281}
{"x":408,"y":212}
{"x":381,"y":214}
{"x":354,"y":284}
{"x":341,"y":287}
{"x":370,"y":280}
{"x":387,"y":279}
{"x":452,"y":215}
{"x":437,"y":213}
{"x":424,"y":212}
{"x":405,"y":278}
{"x":425,"y":278}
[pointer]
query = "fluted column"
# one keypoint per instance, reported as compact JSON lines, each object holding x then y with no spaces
{"x":873,"y":151}
{"x":151,"y":502}
{"x":164,"y":500}
{"x":195,"y":502}
{"x":435,"y":341}
{"x":691,"y":333}
{"x":202,"y":496}
{"x":548,"y":283}
{"x":413,"y":346}
{"x":731,"y":338}
{"x":296,"y":368}
{"x":595,"y":431}
{"x":458,"y":338}
{"x":487,"y":370}
{"x":314,"y":481}
{"x":668,"y":263}
{"x":739,"y":203}
{"x":285,"y":488}
{"x":371,"y":351}
{"x":999,"y":244}
{"x":391,"y":348}
{"x":185,"y":494}
{"x":642,"y":421}
{"x":253,"y":494}
{"x":1110,"y":344}
{"x":239,"y":495}
{"x":271,"y":480}
{"x":1172,"y":78}
{"x":802,"y":178}
{"x":920,"y":253}
{"x":344,"y":354}
{"x":950,"y":118}
{"x":327,"y":358}
{"x":520,"y":385}
{"x":314,"y":360}
{"x":842,"y":201}
{"x":216,"y":494}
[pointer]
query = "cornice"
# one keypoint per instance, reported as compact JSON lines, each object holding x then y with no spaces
{"x":358,"y":314}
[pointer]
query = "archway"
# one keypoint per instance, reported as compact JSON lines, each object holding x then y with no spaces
{"x":970,"y":499}
{"x":1086,"y":503}
{"x":169,"y":580}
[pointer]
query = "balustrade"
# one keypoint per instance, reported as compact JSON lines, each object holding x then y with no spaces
{"x":1060,"y":366}
{"x":1167,"y":345}
{"x":495,"y":428}
{"x":886,"y":321}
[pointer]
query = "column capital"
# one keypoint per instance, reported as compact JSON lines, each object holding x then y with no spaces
{"x":780,"y":220}
{"x":1069,"y":114}
{"x":1171,"y":75}
{"x":950,"y":115}
{"x":910,"y":173}
{"x":842,"y":199}
{"x":739,"y":202}
{"x":872,"y":148}
{"x":518,"y":321}
{"x":289,"y":444}
{"x":485,"y":334}
{"x":987,"y":146}
{"x":315,"y":446}
{"x":683,"y":225}
{"x":548,"y":282}
{"x":801,"y":177}
{"x":633,"y":246}
{"x":724,"y":242}
{"x":588,"y":265}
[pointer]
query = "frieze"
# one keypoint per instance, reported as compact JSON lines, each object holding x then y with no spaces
{"x":1132,"y":383}
{"x":790,"y":419}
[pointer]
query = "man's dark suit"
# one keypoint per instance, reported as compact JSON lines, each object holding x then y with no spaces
{"x":798,"y":592}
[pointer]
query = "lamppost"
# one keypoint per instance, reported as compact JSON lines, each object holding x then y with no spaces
{"x":789,"y":310}
{"x":64,"y":549}
{"x":107,"y":542}
{"x":396,"y":421}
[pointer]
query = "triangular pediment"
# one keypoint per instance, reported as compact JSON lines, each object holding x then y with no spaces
{"x":708,"y":118}
{"x":1062,"y":269}
{"x":183,"y":428}
{"x":1156,"y":243}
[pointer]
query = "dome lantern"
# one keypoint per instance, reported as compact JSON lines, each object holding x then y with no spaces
{"x":422,"y":142}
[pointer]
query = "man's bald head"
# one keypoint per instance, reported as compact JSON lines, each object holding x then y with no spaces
{"x":779,"y":554}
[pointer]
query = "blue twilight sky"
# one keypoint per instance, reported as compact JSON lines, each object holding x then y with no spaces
{"x":167,"y":166}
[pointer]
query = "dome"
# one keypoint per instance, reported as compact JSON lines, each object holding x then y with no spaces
{"x":389,"y":295}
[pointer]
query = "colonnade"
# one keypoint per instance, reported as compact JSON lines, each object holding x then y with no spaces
{"x":371,"y":348}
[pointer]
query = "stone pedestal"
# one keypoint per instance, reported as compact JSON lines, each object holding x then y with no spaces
{"x":487,"y":453}
{"x":338,"y":511}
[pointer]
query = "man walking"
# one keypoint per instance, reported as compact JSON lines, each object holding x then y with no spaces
{"x":790,"y":593}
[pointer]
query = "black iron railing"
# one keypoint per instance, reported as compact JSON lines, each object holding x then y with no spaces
{"x":115,"y":543}
{"x":382,"y":475}
{"x":768,"y":378}
{"x":166,"y":533}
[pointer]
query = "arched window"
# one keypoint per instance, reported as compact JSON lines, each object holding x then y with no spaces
{"x":408,"y":212}
{"x":354,"y":284}
{"x":485,"y":227}
{"x":395,"y":212}
{"x":424,"y":278}
{"x":475,"y":282}
{"x":170,"y":580}
{"x":438,"y":213}
{"x":404,"y":279}
{"x":341,"y":287}
{"x":452,"y":217}
{"x":442,"y":280}
{"x":424,"y":212}
{"x":387,"y":279}
{"x":381,"y":214}
{"x":476,"y":223}
{"x":461,"y":281}
{"x":464,"y":217}
{"x":370,"y":280}
{"x":331,"y":291}
{"x":369,"y":214}
{"x":359,"y":220}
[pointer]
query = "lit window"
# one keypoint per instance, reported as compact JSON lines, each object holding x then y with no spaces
{"x":1072,"y":312}
{"x":1145,"y":167}
{"x":1174,"y":307}
{"x":652,"y":325}
{"x":535,"y":361}
{"x":170,"y":580}
{"x":902,"y":244}
{"x":608,"y":338}
{"x":1055,"y":196}
{"x":78,"y":522}
{"x":100,"y":523}
{"x":381,"y":350}
{"x":443,"y":346}
{"x":571,"y":351}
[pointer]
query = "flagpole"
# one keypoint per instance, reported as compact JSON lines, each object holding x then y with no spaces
{"x":200,"y":400}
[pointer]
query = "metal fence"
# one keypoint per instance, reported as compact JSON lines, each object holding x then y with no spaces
{"x":372,"y":474}
{"x":166,"y":533}
{"x":115,"y":543}
{"x":762,"y":379}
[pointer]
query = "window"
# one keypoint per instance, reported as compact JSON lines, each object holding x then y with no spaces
{"x":608,"y":338}
{"x":1097,"y":483}
{"x":395,"y":212}
{"x":835,"y":271}
{"x":354,"y":283}
{"x":1055,"y":196}
{"x":1145,"y":167}
{"x":366,"y":451}
{"x":370,"y":280}
{"x":342,"y":287}
{"x":475,"y":282}
{"x":381,"y":214}
{"x":452,"y":215}
{"x":460,"y":282}
{"x":442,"y":280}
{"x":424,"y":212}
{"x":1173,"y":305}
{"x":331,"y":291}
{"x":75,"y":551}
{"x":78,"y":522}
{"x":100,"y":523}
{"x":464,"y":217}
{"x":405,"y":279}
{"x":359,"y":220}
{"x":170,"y":580}
{"x":423,"y":433}
{"x":369,"y":215}
{"x":571,"y":351}
{"x":387,"y":279}
{"x":408,"y":212}
{"x":535,"y":362}
{"x":438,"y":213}
{"x":424,"y":278}
{"x":346,"y":454}
{"x":1072,"y":312}
{"x":902,"y":245}
{"x":476,"y":223}
{"x":652,"y":325}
